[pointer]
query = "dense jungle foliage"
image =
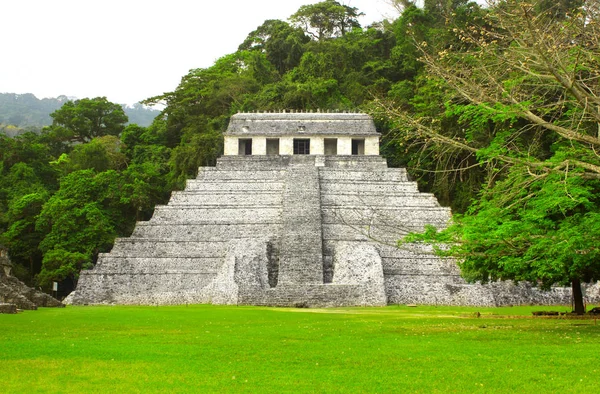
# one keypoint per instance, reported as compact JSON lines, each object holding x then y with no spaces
{"x":494,"y":109}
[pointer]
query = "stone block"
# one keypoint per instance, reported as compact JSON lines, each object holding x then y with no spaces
{"x":8,"y":308}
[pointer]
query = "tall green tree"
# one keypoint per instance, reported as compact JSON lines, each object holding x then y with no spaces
{"x":282,"y":44}
{"x":27,"y":179}
{"x":326,"y":19}
{"x":197,"y":111}
{"x":524,"y":84}
{"x":21,"y":237}
{"x":85,"y":119}
{"x":101,"y":154}
{"x":80,"y":220}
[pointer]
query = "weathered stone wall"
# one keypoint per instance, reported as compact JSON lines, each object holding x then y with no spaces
{"x":293,"y":231}
{"x":359,"y":264}
{"x":8,"y":308}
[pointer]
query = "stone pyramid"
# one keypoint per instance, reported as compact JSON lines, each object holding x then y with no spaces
{"x":293,"y":229}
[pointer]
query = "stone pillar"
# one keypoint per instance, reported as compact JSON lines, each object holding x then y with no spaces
{"x":317,"y":145}
{"x":230,"y":146}
{"x":259,"y":146}
{"x":344,"y":146}
{"x":372,"y":146}
{"x":286,"y":146}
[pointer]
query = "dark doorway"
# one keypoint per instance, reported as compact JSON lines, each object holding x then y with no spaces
{"x":301,"y":146}
{"x":331,"y":146}
{"x":358,"y":146}
{"x":245,"y":147}
{"x":272,"y":146}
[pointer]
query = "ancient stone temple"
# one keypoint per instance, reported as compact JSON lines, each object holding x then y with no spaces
{"x":300,"y":211}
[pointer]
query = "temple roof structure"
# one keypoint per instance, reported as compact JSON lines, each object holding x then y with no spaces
{"x":315,"y":123}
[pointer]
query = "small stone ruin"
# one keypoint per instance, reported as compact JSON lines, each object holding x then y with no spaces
{"x":15,"y":294}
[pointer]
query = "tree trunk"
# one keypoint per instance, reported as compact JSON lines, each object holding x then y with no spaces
{"x":31,"y":275}
{"x":577,"y":297}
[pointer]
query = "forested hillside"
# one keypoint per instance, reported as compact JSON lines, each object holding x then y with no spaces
{"x":25,"y":111}
{"x":20,"y":113}
{"x":494,"y":109}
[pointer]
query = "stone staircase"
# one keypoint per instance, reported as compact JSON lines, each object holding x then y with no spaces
{"x":379,"y":206}
{"x":176,"y":256}
{"x":301,"y":257}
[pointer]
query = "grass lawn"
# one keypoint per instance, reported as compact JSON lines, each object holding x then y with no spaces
{"x":205,"y":348}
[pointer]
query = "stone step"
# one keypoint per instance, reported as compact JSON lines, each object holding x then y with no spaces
{"x":233,"y":175}
{"x":358,"y":193}
{"x":250,"y":186}
{"x":435,"y":290}
{"x":406,"y":251}
{"x":397,"y":216}
{"x":158,"y":265}
{"x":277,"y":162}
{"x":225,"y":214}
{"x":324,"y":295}
{"x":373,"y":200}
{"x":135,"y":247}
{"x":389,"y":175}
{"x":397,"y":227}
{"x":367,"y":232}
{"x":245,"y":163}
{"x":215,"y":231}
{"x":392,"y":250}
{"x":421,"y":266}
{"x":245,"y":198}
{"x":368,"y":187}
{"x":140,"y":288}
{"x":359,"y":162}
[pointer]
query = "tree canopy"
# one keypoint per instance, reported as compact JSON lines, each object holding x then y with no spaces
{"x":523,"y":83}
{"x":85,"y":119}
{"x":326,"y":19}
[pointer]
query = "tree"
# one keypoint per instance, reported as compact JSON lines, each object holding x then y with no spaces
{"x":198,"y":110}
{"x":282,"y":44}
{"x":85,"y":119}
{"x":326,"y":19}
{"x":60,"y":264}
{"x":81,"y":220}
{"x":144,"y":186}
{"x":101,"y":154}
{"x":27,"y":179}
{"x":21,"y":237}
{"x":442,"y":9}
{"x":400,"y":5}
{"x":524,"y":84}
{"x":419,"y":93}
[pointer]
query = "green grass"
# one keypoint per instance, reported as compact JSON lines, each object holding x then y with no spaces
{"x":249,"y":349}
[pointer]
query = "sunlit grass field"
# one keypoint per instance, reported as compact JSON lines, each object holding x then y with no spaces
{"x":250,"y":349}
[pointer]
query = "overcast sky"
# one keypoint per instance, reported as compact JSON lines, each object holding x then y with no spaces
{"x":128,"y":50}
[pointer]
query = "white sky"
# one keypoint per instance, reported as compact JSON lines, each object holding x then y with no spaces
{"x":128,"y":50}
